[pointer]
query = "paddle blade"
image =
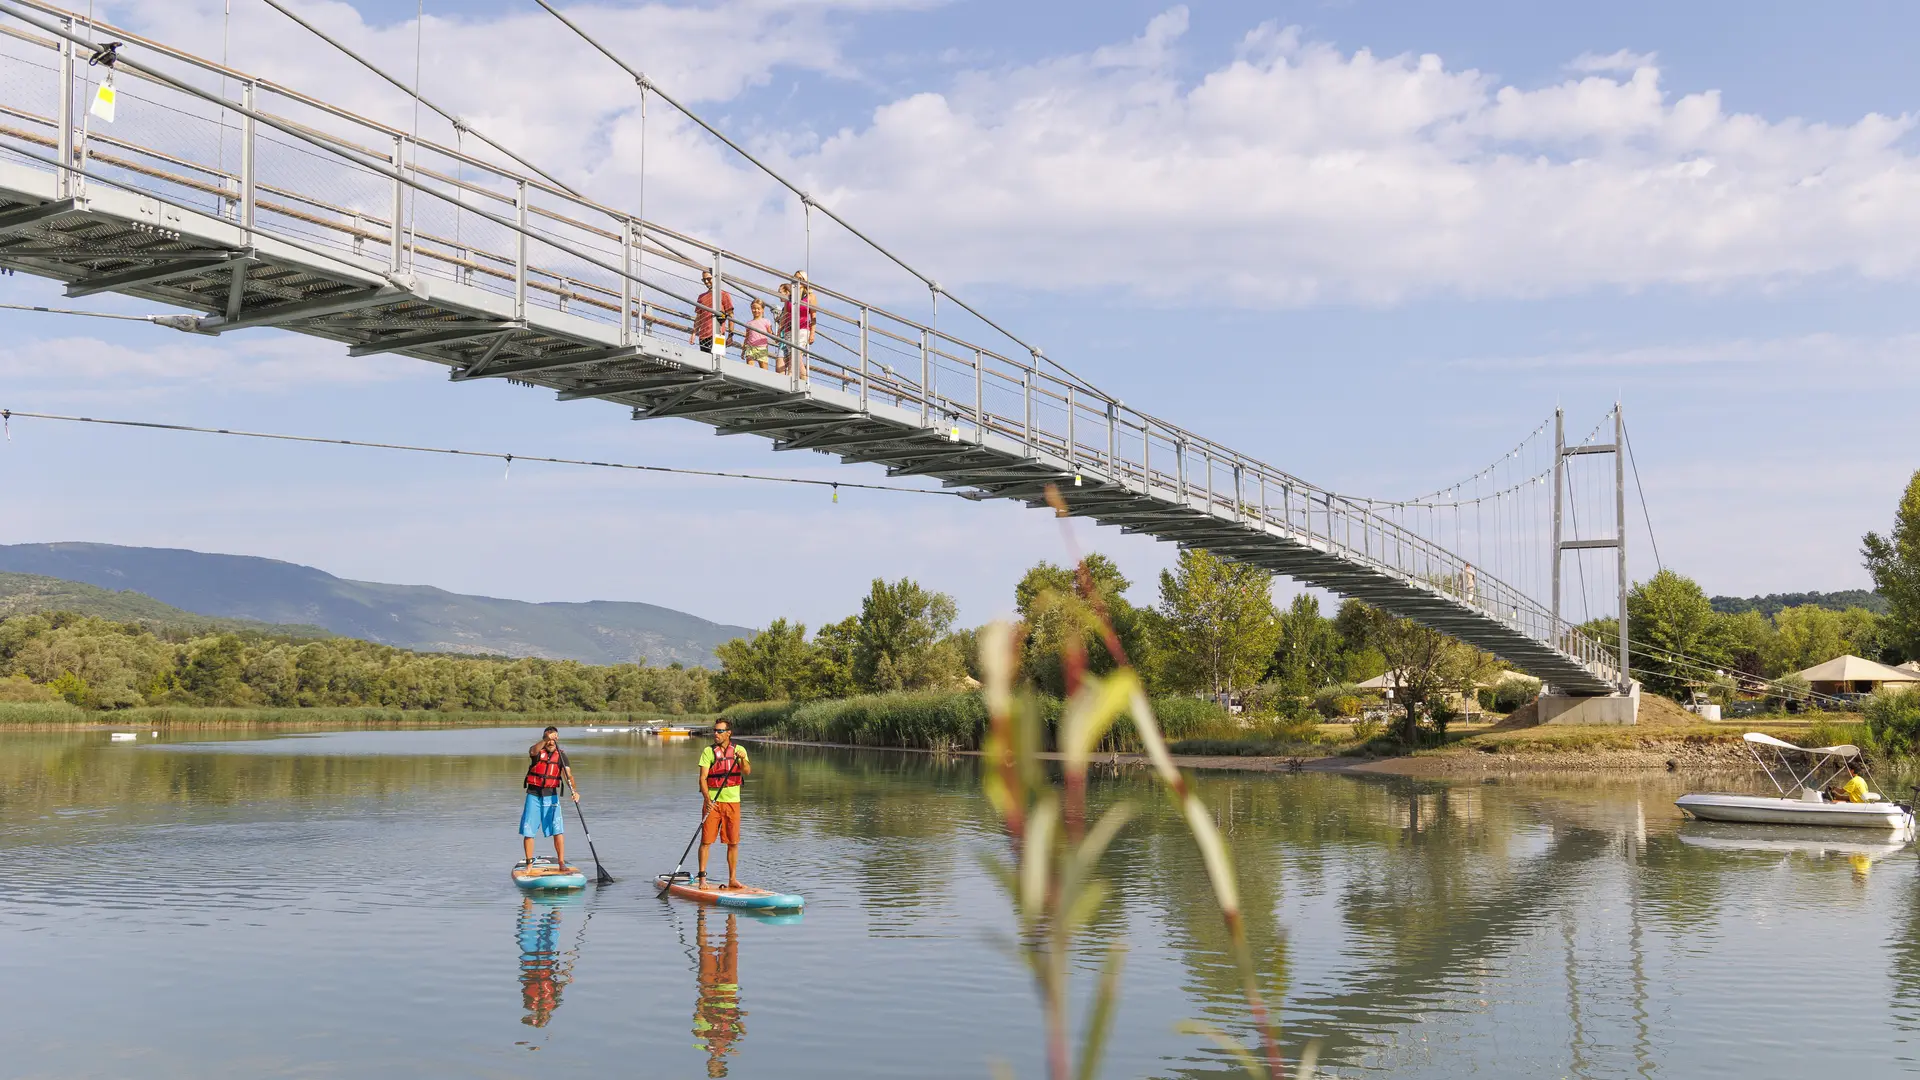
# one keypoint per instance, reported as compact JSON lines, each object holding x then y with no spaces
{"x":604,"y":878}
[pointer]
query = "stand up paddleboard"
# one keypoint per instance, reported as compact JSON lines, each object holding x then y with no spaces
{"x":743,"y":897}
{"x":545,"y":874}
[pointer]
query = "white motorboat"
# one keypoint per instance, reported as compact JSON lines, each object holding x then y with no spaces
{"x":1800,"y":776}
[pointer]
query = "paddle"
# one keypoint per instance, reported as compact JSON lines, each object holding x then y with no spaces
{"x":680,"y":868}
{"x":604,"y":878}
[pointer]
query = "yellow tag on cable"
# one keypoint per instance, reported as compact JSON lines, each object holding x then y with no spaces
{"x":104,"y":99}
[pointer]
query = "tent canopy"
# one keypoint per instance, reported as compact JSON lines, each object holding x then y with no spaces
{"x":1854,"y":669}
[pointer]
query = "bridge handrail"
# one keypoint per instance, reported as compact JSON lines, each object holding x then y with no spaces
{"x":1414,"y":559}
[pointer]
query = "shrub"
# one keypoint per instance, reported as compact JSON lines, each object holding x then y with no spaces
{"x":19,"y":688}
{"x":1509,"y":694}
{"x":1789,"y":691}
{"x":1830,"y":733}
{"x":1366,"y":729}
{"x":1336,"y":702}
{"x":1893,"y":721}
{"x":1273,"y":699}
{"x":70,"y":687}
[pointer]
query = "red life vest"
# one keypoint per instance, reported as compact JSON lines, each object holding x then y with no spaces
{"x":543,"y":775}
{"x":728,"y":760}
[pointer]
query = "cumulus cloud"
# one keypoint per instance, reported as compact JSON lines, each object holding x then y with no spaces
{"x":1293,"y":173}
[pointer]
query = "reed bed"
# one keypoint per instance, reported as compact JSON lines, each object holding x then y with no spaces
{"x":957,"y":720}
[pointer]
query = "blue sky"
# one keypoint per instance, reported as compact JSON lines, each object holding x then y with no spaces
{"x":1373,"y":243}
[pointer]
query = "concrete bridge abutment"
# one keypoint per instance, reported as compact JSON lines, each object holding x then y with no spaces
{"x":1609,"y":710}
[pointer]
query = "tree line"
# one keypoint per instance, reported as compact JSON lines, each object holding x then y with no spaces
{"x":102,"y":664}
{"x":1215,"y":631}
{"x":1684,"y":641}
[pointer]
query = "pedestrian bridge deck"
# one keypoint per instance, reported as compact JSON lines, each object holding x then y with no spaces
{"x":258,"y":206}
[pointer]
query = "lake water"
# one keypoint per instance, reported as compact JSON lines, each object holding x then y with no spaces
{"x":338,"y":905}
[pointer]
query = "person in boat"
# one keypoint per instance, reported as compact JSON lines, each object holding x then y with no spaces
{"x":547,"y":769}
{"x":722,"y":767}
{"x":1854,"y":790}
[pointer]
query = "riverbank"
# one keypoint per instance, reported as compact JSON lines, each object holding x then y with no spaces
{"x":60,"y":716}
{"x":1714,"y":751}
{"x":1668,"y":738}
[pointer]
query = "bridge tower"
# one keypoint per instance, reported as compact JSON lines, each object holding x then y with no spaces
{"x":1623,"y":706}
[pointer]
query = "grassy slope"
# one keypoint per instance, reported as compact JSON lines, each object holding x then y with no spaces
{"x":23,"y":594}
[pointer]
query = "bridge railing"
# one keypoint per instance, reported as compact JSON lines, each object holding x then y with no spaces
{"x":281,"y":163}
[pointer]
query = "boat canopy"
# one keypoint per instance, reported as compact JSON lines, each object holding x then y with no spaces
{"x":1844,"y":750}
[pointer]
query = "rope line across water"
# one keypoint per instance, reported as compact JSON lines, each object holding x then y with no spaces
{"x":9,"y":415}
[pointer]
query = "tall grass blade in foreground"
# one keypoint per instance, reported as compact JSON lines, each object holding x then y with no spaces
{"x":1052,"y":876}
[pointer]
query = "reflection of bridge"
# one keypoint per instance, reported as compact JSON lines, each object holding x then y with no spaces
{"x":230,"y":195}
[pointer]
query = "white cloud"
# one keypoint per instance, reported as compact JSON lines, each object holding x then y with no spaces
{"x":1622,"y":60}
{"x":1295,"y":173}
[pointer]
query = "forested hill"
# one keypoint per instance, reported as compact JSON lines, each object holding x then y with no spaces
{"x":408,"y":616}
{"x":25,"y":594}
{"x":1771,"y":604}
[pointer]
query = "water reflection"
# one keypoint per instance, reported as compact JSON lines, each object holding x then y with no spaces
{"x":718,"y":1020}
{"x":1519,"y":927}
{"x":545,"y":970}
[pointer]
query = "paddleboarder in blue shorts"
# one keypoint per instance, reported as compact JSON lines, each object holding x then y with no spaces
{"x":547,"y":767}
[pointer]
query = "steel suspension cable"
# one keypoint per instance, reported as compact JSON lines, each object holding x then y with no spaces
{"x":642,"y":81}
{"x":458,"y":124}
{"x":1644,"y":514}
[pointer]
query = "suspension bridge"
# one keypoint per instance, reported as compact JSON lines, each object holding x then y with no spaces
{"x":134,"y":168}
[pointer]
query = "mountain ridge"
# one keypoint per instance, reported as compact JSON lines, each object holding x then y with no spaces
{"x":419,"y":617}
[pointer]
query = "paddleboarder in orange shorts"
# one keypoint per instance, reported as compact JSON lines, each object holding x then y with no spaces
{"x":722,"y":766}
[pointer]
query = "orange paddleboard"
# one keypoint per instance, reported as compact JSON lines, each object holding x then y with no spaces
{"x":743,"y":897}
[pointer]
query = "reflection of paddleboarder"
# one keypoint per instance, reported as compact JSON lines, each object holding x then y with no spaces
{"x":542,"y":976}
{"x":722,"y":765}
{"x":718,"y":1019}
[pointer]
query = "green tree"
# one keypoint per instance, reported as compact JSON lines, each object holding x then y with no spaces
{"x":1750,"y":639}
{"x":1218,"y":626}
{"x":213,"y":669}
{"x":1055,"y":612}
{"x":902,"y":641}
{"x":1428,"y":667}
{"x":769,"y":666}
{"x":1894,"y":562}
{"x":1677,"y":637}
{"x":1807,"y":635}
{"x":830,"y":664}
{"x":1309,"y":655}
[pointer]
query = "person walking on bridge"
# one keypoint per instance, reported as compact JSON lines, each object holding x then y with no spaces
{"x":722,"y":767}
{"x":711,"y":332}
{"x":547,"y":769}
